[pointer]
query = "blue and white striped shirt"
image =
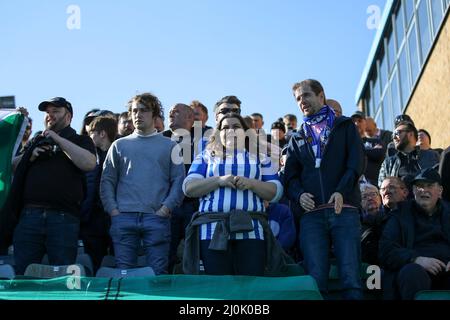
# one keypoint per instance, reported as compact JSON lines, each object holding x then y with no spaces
{"x":226,"y":199}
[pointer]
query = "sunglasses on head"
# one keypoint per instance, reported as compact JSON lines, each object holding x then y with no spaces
{"x":230,"y":110}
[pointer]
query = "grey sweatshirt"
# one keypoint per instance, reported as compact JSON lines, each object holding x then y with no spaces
{"x":140,"y":176}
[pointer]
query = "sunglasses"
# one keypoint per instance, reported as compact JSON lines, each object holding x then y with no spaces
{"x":397,"y":133}
{"x":230,"y":110}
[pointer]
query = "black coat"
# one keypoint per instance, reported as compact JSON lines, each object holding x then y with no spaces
{"x":396,"y":247}
{"x":343,"y":163}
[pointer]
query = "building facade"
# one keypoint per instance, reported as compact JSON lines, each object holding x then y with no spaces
{"x":408,"y":70}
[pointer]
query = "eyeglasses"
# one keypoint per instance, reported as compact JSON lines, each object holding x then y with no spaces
{"x":230,"y":110}
{"x":397,"y":133}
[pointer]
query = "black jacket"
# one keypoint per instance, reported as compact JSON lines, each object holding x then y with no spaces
{"x":420,"y":158}
{"x":396,"y":247}
{"x":342,"y":165}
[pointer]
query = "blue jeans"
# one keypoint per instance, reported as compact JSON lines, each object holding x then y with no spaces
{"x":41,"y":231}
{"x":129,"y":228}
{"x":321,"y":228}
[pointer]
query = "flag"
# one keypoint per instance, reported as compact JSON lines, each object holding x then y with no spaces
{"x":12,"y":128}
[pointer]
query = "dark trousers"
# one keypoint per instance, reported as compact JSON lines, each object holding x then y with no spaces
{"x":181,"y":216}
{"x":319,"y":229}
{"x":242,"y":257}
{"x":43,"y":231}
{"x":412,"y":278}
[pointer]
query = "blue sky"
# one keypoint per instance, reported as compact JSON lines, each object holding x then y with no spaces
{"x":182,"y":50}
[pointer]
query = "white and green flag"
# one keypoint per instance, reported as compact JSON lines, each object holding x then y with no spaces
{"x":12,"y":128}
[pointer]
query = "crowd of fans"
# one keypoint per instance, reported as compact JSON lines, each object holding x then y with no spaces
{"x":234,"y":199}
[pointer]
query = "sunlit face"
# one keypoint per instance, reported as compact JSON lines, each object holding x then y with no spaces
{"x":178,"y":116}
{"x":401,"y":137}
{"x":125,"y":126}
{"x":257,"y":122}
{"x":423,"y":141}
{"x":427,"y":194}
{"x":232,"y":135}
{"x":199,"y":115}
{"x":142,"y":117}
{"x":308,"y":102}
{"x":392,"y":193}
{"x":56,"y":118}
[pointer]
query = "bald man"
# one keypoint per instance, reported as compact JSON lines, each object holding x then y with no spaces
{"x":372,"y":131}
{"x":336,"y":106}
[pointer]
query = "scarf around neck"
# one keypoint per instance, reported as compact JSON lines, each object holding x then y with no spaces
{"x":318,"y":142}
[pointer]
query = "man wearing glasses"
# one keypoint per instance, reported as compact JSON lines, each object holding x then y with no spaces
{"x":140,"y":188}
{"x":409,"y":160}
{"x":415,"y":243}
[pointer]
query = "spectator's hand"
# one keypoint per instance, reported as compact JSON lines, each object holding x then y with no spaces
{"x":307,"y":202}
{"x":23,"y":111}
{"x":37,"y":151}
{"x":243,"y":183}
{"x":163,"y":212}
{"x":432,"y":265}
{"x":227,"y":181}
{"x":51,"y":134}
{"x":338,"y":200}
{"x":114,"y":213}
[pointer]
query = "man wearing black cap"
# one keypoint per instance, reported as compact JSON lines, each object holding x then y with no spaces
{"x":415,"y":244}
{"x":49,"y":188}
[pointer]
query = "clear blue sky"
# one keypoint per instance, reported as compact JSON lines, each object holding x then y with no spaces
{"x":182,"y":50}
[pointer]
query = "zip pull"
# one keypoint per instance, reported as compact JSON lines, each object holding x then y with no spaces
{"x":318,"y":161}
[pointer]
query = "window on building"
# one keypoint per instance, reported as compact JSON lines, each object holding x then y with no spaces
{"x":376,"y":92}
{"x":424,"y":29}
{"x":378,"y":118}
{"x":388,"y":118}
{"x":413,"y":53}
{"x":404,"y":76}
{"x":437,"y":14}
{"x":399,"y":26}
{"x":391,"y":52}
{"x":395,"y":95}
{"x":383,"y":72}
{"x":369,"y":102}
{"x":409,"y":10}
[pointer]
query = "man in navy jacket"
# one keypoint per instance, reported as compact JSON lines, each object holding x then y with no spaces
{"x":325,"y":160}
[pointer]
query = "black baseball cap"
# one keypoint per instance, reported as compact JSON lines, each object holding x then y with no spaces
{"x":403,"y":118}
{"x":428,"y":175}
{"x":58,"y":102}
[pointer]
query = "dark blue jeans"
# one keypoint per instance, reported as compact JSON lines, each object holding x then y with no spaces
{"x":127,"y":231}
{"x":242,"y":257}
{"x":320,"y":229}
{"x":41,"y":231}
